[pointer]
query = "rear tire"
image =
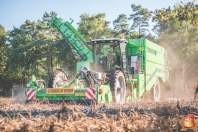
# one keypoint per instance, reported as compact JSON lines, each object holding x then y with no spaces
{"x":118,"y":87}
{"x":157,"y":91}
{"x":154,"y":94}
{"x":58,"y":78}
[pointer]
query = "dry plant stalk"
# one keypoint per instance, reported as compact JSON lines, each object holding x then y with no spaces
{"x":134,"y":117}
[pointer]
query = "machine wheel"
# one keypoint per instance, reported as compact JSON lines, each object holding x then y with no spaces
{"x":118,"y":87}
{"x":157,"y":91}
{"x":154,"y":94}
{"x":58,"y":78}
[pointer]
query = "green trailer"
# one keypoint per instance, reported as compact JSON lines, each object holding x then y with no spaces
{"x":152,"y":74}
{"x":110,"y":70}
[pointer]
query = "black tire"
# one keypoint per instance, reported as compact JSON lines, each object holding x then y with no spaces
{"x":58,"y":78}
{"x":157,"y":91}
{"x":148,"y":96}
{"x":118,"y":87}
{"x":154,"y":94}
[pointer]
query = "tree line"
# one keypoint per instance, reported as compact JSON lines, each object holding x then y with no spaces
{"x":34,"y":48}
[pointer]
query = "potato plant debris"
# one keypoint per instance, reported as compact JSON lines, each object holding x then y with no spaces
{"x":42,"y":116}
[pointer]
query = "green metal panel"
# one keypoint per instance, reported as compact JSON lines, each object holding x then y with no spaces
{"x":33,"y":78}
{"x":108,"y":96}
{"x":105,"y":96}
{"x":141,"y":84}
{"x":32,"y":82}
{"x":75,"y":39}
{"x":153,"y":67}
{"x":77,"y":34}
{"x":136,"y":42}
{"x":154,"y":46}
{"x":42,"y":95}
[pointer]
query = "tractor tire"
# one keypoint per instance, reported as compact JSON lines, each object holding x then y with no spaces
{"x":153,"y":95}
{"x":148,"y":96}
{"x":157,"y":91}
{"x":118,"y":87}
{"x":57,"y":79}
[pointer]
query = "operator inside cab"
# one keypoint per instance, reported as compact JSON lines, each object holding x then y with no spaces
{"x":108,"y":53}
{"x":106,"y":56}
{"x":111,"y":57}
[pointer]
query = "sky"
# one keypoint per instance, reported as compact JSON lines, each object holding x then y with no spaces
{"x":15,"y":12}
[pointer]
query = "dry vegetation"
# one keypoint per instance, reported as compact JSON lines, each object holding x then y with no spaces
{"x":42,"y":116}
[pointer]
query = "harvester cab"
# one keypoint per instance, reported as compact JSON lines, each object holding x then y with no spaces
{"x":106,"y":72}
{"x":107,"y":54}
{"x":110,"y":66}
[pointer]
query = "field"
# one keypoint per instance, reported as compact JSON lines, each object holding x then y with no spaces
{"x":42,"y":116}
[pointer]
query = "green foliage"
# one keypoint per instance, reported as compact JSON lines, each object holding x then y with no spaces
{"x":121,"y":26}
{"x":181,"y":12}
{"x":94,"y":26}
{"x":7,"y":76}
{"x":140,"y":18}
{"x":181,"y":34}
{"x":35,"y":48}
{"x":3,"y":49}
{"x":177,"y":31}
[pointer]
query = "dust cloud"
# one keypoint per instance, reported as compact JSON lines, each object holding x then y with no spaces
{"x":182,"y":75}
{"x":18,"y":95}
